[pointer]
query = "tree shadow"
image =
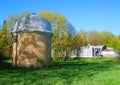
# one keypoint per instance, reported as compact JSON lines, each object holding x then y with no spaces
{"x":95,"y":66}
{"x":5,"y":65}
{"x":69,"y":65}
{"x":81,"y":67}
{"x":66,"y":70}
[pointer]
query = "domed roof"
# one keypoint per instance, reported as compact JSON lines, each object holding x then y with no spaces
{"x":32,"y":23}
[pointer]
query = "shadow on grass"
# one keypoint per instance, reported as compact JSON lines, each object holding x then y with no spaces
{"x":63,"y":70}
{"x":5,"y":65}
{"x":66,"y":65}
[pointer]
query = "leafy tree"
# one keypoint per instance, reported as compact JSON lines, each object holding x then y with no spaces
{"x":99,"y":38}
{"x":118,"y":37}
{"x":13,"y":18}
{"x":114,"y":42}
{"x":94,"y":38}
{"x":5,"y":42}
{"x":57,"y":21}
{"x":83,"y":39}
{"x":62,"y":30}
{"x":79,"y":40}
{"x":11,"y":21}
{"x":5,"y":35}
{"x":70,"y":28}
{"x":66,"y":44}
{"x":105,"y":36}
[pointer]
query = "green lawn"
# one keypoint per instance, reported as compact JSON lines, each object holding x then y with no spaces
{"x":92,"y":71}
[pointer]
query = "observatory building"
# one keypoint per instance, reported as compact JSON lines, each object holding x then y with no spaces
{"x":32,"y":41}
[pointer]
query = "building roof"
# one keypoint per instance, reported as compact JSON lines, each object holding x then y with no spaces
{"x":32,"y":23}
{"x":109,"y":49}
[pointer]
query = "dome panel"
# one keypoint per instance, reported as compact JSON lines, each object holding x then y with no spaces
{"x":32,"y":23}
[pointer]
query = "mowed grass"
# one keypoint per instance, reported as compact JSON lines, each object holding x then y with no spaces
{"x":88,"y":71}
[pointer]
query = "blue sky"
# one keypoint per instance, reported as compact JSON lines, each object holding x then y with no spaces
{"x":89,"y":15}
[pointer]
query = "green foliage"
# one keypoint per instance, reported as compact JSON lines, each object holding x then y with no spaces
{"x":94,"y":38}
{"x":13,"y":18}
{"x":99,"y":38}
{"x":118,"y":37}
{"x":87,"y":71}
{"x":117,"y":59}
{"x":56,"y":20}
{"x":11,"y":21}
{"x":79,"y":39}
{"x":106,"y":36}
{"x":5,"y":42}
{"x":114,"y":42}
{"x":61,"y":40}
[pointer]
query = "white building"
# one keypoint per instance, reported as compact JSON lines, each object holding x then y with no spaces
{"x":109,"y":52}
{"x":94,"y":51}
{"x":90,"y":51}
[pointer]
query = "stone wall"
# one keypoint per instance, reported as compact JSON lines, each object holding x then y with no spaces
{"x":32,"y":49}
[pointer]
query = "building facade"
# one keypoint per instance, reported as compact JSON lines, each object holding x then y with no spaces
{"x":90,"y":51}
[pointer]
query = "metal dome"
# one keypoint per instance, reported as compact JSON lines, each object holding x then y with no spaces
{"x":32,"y":23}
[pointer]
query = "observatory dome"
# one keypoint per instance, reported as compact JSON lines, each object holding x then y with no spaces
{"x":32,"y":23}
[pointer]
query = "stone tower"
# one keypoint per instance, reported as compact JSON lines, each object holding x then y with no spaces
{"x":32,"y":41}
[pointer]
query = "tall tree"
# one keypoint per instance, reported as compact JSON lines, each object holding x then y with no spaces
{"x":66,"y":43}
{"x":94,"y":38}
{"x":61,"y":34}
{"x":5,"y":41}
{"x":105,"y":36}
{"x":11,"y":21}
{"x":79,"y":40}
{"x":118,"y":37}
{"x":114,"y":42}
{"x":13,"y":18}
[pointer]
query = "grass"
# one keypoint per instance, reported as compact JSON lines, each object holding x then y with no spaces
{"x":90,"y":71}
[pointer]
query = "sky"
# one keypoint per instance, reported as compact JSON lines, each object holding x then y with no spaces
{"x":88,"y":15}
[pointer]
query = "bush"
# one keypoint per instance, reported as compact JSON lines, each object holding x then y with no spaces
{"x":117,"y":58}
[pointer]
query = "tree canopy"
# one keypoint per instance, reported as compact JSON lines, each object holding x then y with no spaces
{"x":5,"y":41}
{"x":61,"y":40}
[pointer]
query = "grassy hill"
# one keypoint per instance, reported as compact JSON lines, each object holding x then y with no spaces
{"x":94,"y":71}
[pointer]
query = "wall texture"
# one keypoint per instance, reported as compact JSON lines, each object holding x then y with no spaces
{"x":32,"y":50}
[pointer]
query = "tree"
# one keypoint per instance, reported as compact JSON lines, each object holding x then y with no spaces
{"x":56,"y":20}
{"x":114,"y":42}
{"x":5,"y":42}
{"x":13,"y":18}
{"x":70,"y":28}
{"x":79,"y":40}
{"x":66,"y":44}
{"x":61,"y":40}
{"x":11,"y":21}
{"x":105,"y":36}
{"x":94,"y":38}
{"x":118,"y":37}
